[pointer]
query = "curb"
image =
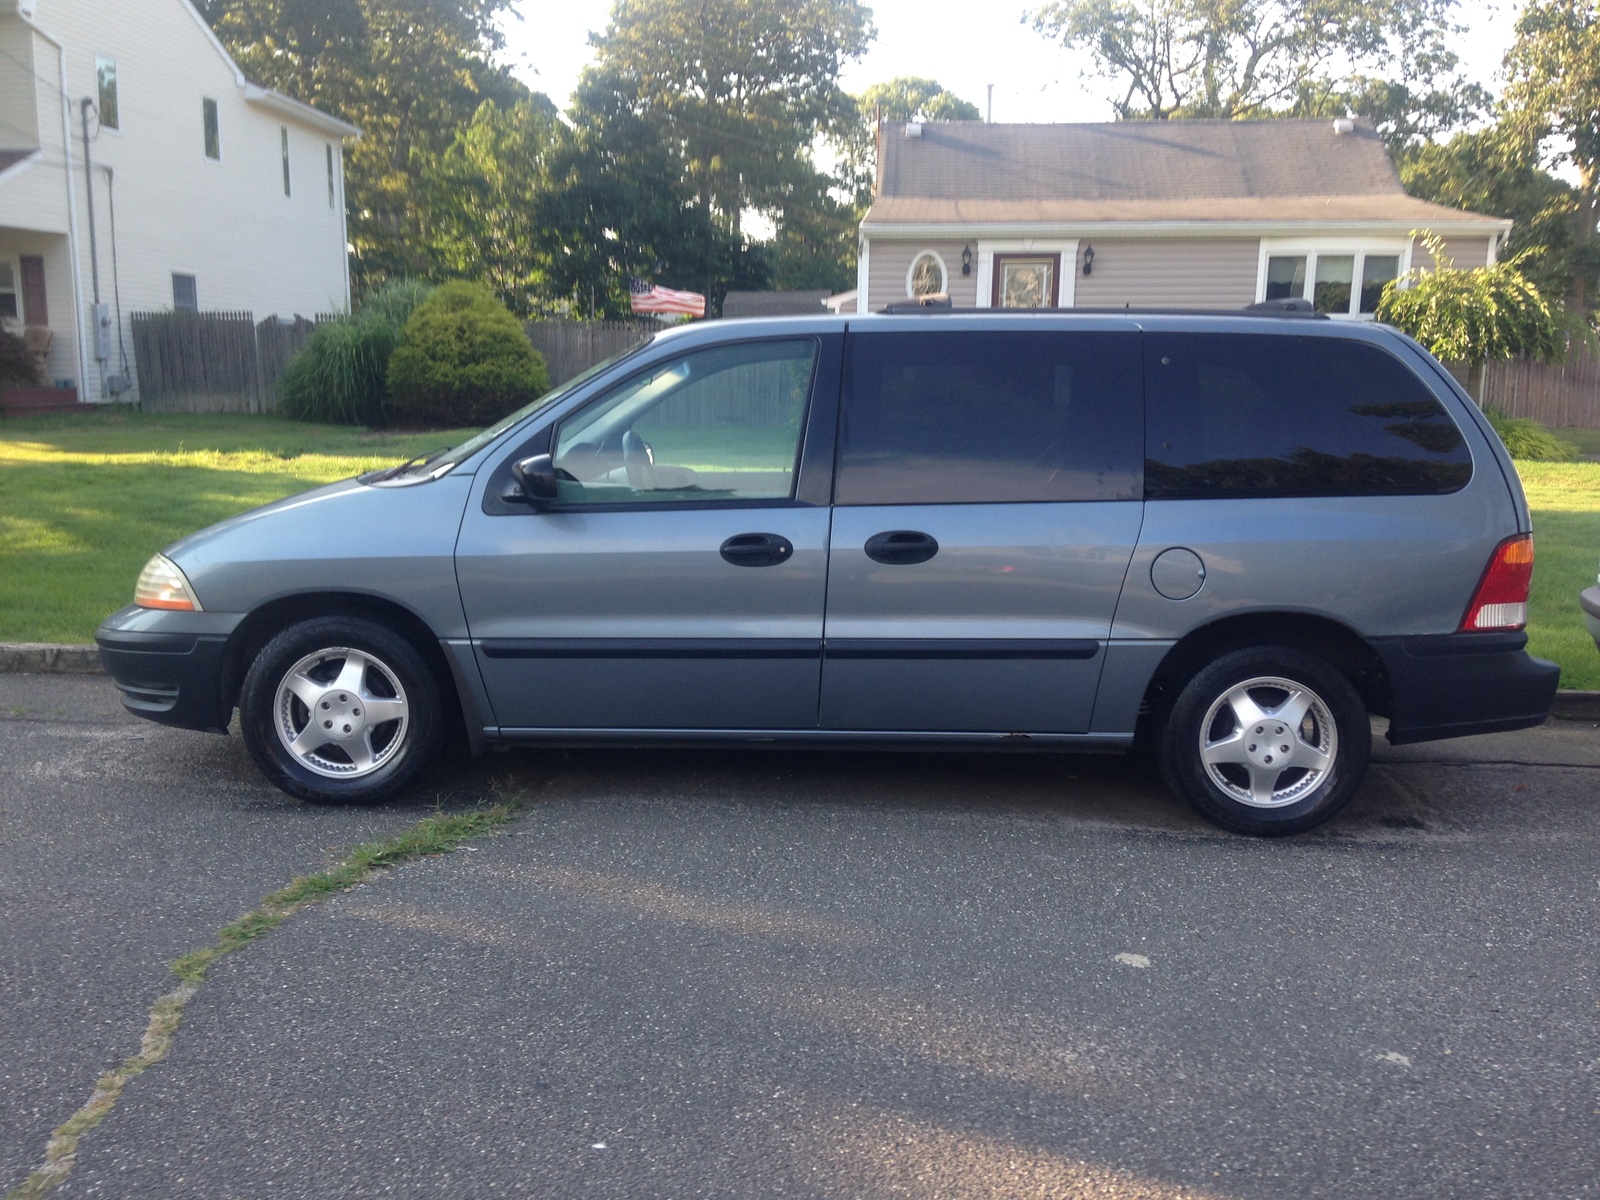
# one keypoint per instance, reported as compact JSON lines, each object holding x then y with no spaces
{"x":48,"y":658}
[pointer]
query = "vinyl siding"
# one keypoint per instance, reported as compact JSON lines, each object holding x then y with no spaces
{"x":227,"y":223}
{"x":1169,"y":273}
{"x":19,"y":123}
{"x":1465,"y":253}
{"x":888,"y":262}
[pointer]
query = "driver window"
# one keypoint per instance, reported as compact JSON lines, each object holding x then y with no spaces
{"x":718,"y":424}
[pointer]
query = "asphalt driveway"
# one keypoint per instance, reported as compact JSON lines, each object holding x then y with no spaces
{"x":732,"y":975}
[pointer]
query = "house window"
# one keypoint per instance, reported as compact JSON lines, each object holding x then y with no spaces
{"x":283,"y":136}
{"x":185,"y":295}
{"x":105,"y":74}
{"x":10,"y":292}
{"x":1341,"y":280}
{"x":927,"y":275}
{"x":208,"y":108}
{"x":331,"y":197}
{"x":1026,"y":280}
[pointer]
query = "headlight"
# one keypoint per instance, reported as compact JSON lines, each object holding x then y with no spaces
{"x":162,"y":585}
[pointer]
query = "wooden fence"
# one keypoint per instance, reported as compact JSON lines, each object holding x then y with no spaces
{"x":1560,"y":395}
{"x":571,"y":347}
{"x":214,"y":361}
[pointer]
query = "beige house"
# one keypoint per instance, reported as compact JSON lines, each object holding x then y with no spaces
{"x":1191,"y":214}
{"x":139,"y":170}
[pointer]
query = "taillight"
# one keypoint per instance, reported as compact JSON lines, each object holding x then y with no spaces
{"x":1501,"y":601}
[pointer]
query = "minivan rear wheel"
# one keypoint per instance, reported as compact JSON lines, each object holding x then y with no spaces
{"x":1266,"y":741}
{"x":340,"y":710}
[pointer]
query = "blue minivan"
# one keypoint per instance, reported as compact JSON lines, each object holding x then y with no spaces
{"x":1232,"y":536}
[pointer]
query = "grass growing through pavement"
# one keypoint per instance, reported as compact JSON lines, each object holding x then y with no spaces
{"x":86,"y":499}
{"x":432,"y":835}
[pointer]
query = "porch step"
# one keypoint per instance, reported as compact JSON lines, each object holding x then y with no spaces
{"x":25,"y":401}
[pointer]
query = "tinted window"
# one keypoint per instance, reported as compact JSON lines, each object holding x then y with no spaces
{"x":951,"y":418}
{"x":718,"y":424}
{"x":1241,"y":415}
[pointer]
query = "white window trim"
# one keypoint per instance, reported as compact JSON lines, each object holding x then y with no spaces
{"x":944,"y":272}
{"x":1311,"y":248}
{"x":285,"y":163}
{"x":1066,"y":286}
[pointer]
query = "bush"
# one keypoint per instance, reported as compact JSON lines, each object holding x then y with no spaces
{"x":341,"y":376}
{"x":1530,"y":441}
{"x":462,"y":360}
{"x":16,"y":364}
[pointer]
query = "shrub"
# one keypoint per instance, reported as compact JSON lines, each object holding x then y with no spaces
{"x":342,"y":374}
{"x":1530,"y":441}
{"x":16,"y":364}
{"x":462,"y":360}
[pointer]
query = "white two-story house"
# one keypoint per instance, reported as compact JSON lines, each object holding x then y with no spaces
{"x":140,"y":170}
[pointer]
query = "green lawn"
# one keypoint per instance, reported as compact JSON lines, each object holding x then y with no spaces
{"x":86,"y":499}
{"x":1586,"y":440}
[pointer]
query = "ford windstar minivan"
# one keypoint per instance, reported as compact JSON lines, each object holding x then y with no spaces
{"x":1234,"y":536}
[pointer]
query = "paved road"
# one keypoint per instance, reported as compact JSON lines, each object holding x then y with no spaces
{"x":776,"y":975}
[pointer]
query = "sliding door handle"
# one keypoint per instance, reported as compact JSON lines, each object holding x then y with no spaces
{"x":901,"y":547}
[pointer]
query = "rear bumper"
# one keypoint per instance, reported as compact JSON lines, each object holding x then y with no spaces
{"x":1589,"y":601}
{"x":1457,"y":684}
{"x":171,"y":678}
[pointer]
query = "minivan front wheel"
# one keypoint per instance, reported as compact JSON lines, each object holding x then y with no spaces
{"x":339,"y":710}
{"x":1266,"y":741}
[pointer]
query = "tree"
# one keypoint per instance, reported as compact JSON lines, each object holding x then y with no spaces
{"x":1552,"y":100}
{"x":410,"y":73}
{"x":739,"y":89}
{"x":1240,"y":58}
{"x":1486,"y":314}
{"x":1490,"y":172}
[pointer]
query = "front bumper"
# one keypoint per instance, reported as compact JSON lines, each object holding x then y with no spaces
{"x":1458,"y":684}
{"x":1589,"y":601}
{"x":168,"y":666}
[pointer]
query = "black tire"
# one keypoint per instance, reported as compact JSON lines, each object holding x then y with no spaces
{"x":1291,"y":775}
{"x":370,"y":762}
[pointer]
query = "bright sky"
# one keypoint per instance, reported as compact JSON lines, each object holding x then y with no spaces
{"x":965,"y":46}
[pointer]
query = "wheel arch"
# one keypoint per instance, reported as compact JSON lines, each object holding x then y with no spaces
{"x":265,"y":622}
{"x":1330,"y":640}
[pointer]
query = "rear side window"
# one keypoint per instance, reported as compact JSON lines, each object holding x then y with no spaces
{"x":1234,"y":415}
{"x":962,"y":418}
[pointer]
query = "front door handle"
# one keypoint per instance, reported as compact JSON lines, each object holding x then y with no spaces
{"x":901,"y":547}
{"x":757,"y":549}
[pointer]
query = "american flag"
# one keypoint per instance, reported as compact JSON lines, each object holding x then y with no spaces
{"x":652,"y":298}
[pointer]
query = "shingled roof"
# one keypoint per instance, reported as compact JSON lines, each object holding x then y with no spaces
{"x":1300,"y":170}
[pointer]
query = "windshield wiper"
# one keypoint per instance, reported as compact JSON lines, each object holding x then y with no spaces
{"x":420,"y":460}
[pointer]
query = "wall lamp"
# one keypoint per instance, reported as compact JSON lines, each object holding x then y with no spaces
{"x":966,"y":260}
{"x":1088,"y":260}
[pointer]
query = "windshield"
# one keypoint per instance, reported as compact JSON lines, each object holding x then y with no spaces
{"x":435,"y":465}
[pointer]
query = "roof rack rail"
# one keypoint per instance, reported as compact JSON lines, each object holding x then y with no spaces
{"x":1292,"y":307}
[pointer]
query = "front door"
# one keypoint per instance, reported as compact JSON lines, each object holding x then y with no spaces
{"x":677,"y":581}
{"x":987,"y":505}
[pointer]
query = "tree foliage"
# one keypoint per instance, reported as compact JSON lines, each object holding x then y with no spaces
{"x":1475,"y":316}
{"x":1241,"y":58}
{"x":739,"y":89}
{"x":1552,"y":101}
{"x":409,"y":73}
{"x":906,"y":98}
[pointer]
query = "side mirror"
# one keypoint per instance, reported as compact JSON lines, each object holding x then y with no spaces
{"x":536,"y":482}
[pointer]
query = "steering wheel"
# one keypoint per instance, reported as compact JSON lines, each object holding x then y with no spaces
{"x":639,"y":462}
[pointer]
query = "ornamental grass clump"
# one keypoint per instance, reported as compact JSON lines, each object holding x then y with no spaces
{"x":341,"y":376}
{"x":462,"y":360}
{"x":1530,"y":441}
